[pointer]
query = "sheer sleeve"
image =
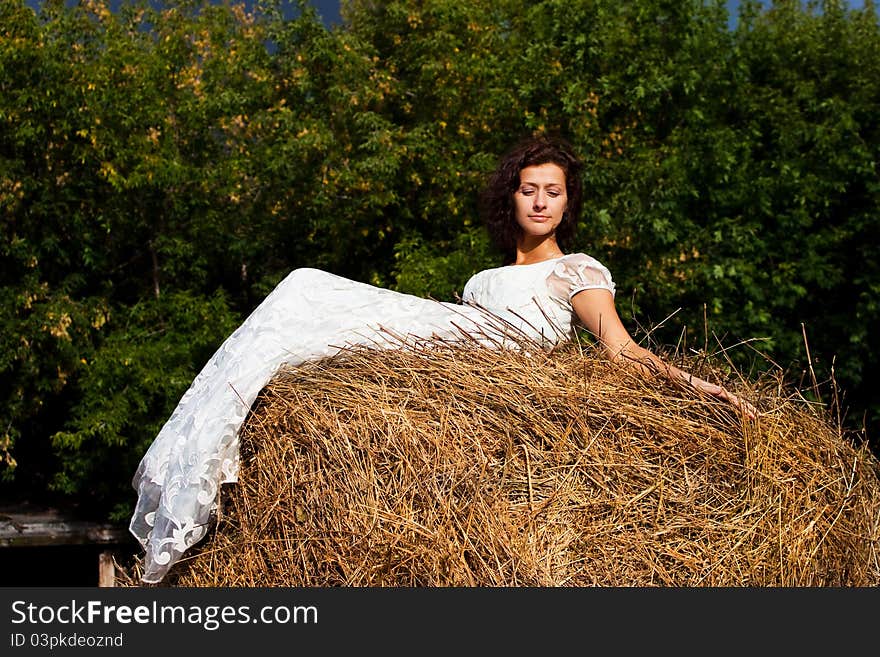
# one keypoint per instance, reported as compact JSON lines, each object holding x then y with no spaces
{"x":577,"y":272}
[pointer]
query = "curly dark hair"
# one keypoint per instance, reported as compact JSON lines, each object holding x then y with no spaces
{"x":496,"y":199}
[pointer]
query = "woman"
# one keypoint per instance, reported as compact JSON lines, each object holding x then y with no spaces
{"x":541,"y":212}
{"x":532,"y":204}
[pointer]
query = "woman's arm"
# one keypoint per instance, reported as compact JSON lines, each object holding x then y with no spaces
{"x":595,"y":308}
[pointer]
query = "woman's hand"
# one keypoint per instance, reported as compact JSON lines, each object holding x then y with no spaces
{"x":724,"y":394}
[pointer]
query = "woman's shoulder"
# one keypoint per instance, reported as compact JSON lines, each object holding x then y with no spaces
{"x":577,"y":259}
{"x":476,"y":281}
{"x":575,"y":272}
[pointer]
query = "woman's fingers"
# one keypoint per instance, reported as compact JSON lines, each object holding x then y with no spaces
{"x":722,"y":393}
{"x":739,"y":403}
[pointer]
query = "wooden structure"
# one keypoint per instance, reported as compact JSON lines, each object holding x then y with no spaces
{"x":24,"y":528}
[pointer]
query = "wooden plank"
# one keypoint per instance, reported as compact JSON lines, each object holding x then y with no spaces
{"x":39,"y":527}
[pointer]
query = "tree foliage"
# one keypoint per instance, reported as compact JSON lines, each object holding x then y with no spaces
{"x":163,"y":166}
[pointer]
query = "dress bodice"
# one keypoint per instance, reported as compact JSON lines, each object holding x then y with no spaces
{"x":536,"y":297}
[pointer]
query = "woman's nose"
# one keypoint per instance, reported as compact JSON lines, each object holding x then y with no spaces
{"x":540,"y":201}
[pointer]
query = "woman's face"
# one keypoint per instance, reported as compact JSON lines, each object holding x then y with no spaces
{"x":540,"y":199}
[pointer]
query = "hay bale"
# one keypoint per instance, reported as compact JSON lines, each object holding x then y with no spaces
{"x":461,"y":466}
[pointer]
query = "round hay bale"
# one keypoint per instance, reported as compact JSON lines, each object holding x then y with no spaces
{"x":454,"y":465}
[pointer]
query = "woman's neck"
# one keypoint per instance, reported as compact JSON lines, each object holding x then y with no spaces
{"x":528,"y":254}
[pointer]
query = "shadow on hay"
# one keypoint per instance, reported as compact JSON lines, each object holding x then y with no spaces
{"x":455,"y":465}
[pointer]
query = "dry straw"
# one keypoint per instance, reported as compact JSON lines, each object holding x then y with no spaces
{"x":457,"y":465}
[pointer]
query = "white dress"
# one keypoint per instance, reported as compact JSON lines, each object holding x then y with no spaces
{"x":312,"y":314}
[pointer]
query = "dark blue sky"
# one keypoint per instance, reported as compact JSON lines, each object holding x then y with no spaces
{"x":328,"y":9}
